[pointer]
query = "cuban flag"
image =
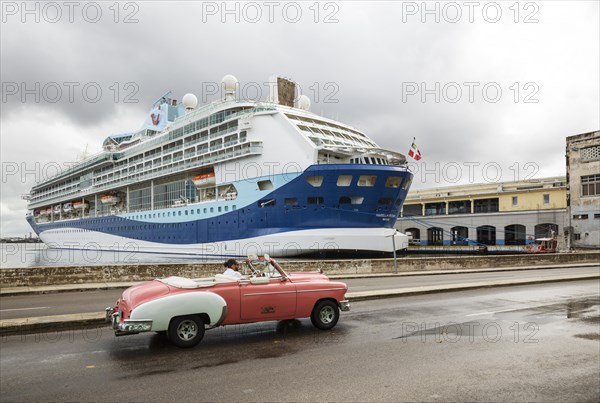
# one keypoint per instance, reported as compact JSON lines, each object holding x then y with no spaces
{"x":414,"y":151}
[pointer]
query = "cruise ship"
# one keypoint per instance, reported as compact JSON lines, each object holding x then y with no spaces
{"x":230,"y":178}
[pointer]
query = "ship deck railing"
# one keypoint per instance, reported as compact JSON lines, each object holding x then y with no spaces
{"x":254,"y":148}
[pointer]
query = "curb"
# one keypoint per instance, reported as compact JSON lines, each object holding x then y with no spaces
{"x":381,"y":294}
{"x":42,"y":324}
{"x":95,"y":319}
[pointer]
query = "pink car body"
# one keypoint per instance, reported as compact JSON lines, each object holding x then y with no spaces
{"x":183,"y":308}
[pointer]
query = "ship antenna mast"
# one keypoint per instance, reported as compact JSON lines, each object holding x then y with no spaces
{"x":163,"y":98}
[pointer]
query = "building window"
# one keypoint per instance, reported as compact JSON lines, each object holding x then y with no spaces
{"x":410,"y":210}
{"x":590,"y":153}
{"x":435,"y":236}
{"x":545,"y":230}
{"x":590,"y":185}
{"x":577,"y":237}
{"x":459,"y":207}
{"x":514,"y":234}
{"x":486,"y":235}
{"x":546,"y":199}
{"x":435,"y":208}
{"x":414,"y":236}
{"x":515,"y":200}
{"x":486,"y":205}
{"x":460,"y":235}
{"x":580,"y":216}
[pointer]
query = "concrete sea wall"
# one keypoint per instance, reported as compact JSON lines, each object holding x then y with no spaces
{"x":44,"y":276}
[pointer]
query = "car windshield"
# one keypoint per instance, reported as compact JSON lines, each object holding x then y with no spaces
{"x":264,"y":267}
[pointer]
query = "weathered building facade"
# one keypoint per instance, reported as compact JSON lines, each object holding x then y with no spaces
{"x":583,"y":190}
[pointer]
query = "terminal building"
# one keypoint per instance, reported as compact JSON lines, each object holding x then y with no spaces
{"x":503,"y":215}
{"x":583,"y":190}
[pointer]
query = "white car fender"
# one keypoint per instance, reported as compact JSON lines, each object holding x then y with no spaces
{"x":162,"y":310}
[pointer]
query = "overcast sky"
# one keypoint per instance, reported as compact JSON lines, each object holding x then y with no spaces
{"x":489,"y":90}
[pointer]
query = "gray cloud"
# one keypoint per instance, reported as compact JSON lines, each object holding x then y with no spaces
{"x":360,"y":67}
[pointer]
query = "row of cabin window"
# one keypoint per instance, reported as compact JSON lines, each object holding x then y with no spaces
{"x":205,"y":210}
{"x":209,"y":120}
{"x":293,"y":201}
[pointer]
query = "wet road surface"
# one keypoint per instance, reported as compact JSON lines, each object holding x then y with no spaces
{"x":526,"y":343}
{"x":24,"y":306}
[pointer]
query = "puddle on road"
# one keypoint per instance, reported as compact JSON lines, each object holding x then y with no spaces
{"x":587,"y":310}
{"x":525,"y":323}
{"x":588,"y":336}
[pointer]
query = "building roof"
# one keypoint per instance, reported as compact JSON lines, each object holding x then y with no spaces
{"x":483,"y":189}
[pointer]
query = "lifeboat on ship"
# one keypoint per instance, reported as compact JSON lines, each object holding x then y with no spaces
{"x":57,"y":209}
{"x":110,"y":200}
{"x":81,"y":205}
{"x":67,"y":207}
{"x":204,"y":180}
{"x":45,"y":212}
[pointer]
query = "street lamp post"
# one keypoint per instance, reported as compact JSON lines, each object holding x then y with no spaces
{"x":394,"y":247}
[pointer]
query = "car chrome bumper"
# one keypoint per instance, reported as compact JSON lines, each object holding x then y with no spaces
{"x":344,"y":305}
{"x":128,"y":326}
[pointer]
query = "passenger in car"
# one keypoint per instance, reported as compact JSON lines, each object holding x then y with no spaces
{"x":232,"y":268}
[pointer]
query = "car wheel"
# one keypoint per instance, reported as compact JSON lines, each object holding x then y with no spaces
{"x":186,"y":331}
{"x":325,"y":315}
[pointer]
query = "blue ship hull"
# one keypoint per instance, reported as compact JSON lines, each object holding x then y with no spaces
{"x":324,"y":207}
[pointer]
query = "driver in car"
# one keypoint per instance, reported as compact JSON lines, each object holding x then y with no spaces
{"x":232,"y":268}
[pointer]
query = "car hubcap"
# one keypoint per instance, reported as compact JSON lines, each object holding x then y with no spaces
{"x":327,"y":314}
{"x":187,"y":330}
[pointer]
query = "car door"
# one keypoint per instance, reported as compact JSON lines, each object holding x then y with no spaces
{"x":264,"y":298}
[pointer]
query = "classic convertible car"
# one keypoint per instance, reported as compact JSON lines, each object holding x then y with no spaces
{"x":183,"y":308}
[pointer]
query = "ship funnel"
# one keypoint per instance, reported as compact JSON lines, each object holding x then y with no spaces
{"x":190,"y":102}
{"x":229,"y":83}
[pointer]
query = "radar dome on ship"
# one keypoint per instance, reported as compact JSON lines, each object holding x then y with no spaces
{"x":304,"y":103}
{"x":229,"y":82}
{"x":189,"y":101}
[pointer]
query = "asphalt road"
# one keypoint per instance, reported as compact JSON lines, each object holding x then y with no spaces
{"x":32,"y":305}
{"x":526,"y":343}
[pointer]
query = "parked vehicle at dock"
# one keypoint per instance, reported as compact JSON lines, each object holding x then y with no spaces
{"x":184,"y":308}
{"x":543,"y":245}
